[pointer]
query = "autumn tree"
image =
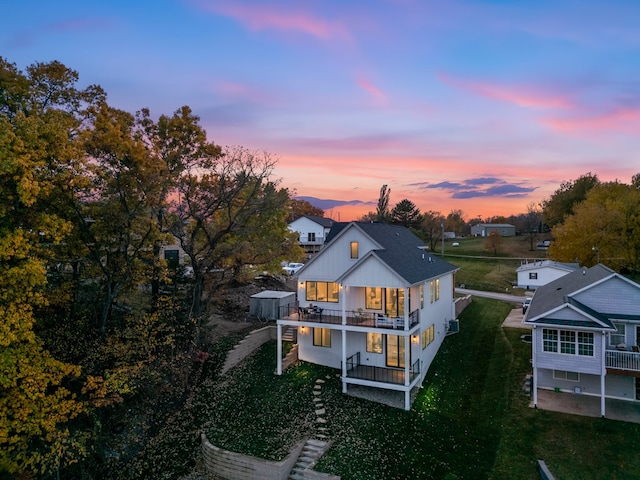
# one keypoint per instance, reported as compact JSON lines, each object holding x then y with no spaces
{"x":562,"y":202}
{"x":298,"y":207}
{"x":455,"y":222}
{"x":406,"y":213}
{"x":493,"y":242}
{"x":35,"y":401}
{"x":430,"y":228}
{"x":531,"y":223}
{"x":382,"y":210}
{"x":606,"y":225}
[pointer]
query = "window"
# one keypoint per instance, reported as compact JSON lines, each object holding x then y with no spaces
{"x":533,"y":275}
{"x":618,"y":337}
{"x":354,"y":249}
{"x":564,"y":375}
{"x":171,"y":256}
{"x":585,"y":344}
{"x":422,"y":295}
{"x":374,"y":342}
{"x":322,"y":291}
{"x":394,"y":302}
{"x":549,"y":340}
{"x":311,"y":236}
{"x":373,"y":298}
{"x":427,"y":337}
{"x":322,"y":337}
{"x":568,"y":342}
{"x":434,"y":290}
{"x":395,"y":351}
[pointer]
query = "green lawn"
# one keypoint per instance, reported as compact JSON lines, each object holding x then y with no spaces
{"x":470,"y":420}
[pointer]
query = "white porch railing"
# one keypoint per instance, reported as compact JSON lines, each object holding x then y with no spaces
{"x":623,"y":360}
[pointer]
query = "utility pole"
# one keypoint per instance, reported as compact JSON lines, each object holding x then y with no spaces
{"x":442,"y":225}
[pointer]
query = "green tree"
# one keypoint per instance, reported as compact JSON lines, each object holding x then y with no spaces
{"x":406,"y":213}
{"x":563,"y":201}
{"x":605,"y":225}
{"x":430,"y":229}
{"x":455,"y":222}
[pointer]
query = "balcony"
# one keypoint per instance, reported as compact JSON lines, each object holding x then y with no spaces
{"x":358,"y":318}
{"x":623,"y":360}
{"x":395,"y":376}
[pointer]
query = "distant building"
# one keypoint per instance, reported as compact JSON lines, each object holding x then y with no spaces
{"x":485,"y":229}
{"x":537,"y":273}
{"x":312,"y":232}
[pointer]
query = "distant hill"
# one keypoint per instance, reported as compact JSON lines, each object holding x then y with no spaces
{"x":327,"y":204}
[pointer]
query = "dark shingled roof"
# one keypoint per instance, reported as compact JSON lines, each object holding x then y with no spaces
{"x":401,"y":250}
{"x":325,"y":222}
{"x":555,"y":293}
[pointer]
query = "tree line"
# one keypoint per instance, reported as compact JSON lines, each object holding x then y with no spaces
{"x":91,"y":316}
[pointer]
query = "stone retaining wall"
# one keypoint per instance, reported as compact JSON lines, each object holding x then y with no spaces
{"x":226,"y":465}
{"x":247,"y":346}
{"x":462,"y":303}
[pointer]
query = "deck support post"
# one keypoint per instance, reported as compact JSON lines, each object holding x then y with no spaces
{"x":279,"y":340}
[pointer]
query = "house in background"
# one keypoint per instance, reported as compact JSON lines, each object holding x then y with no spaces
{"x":534,"y":274}
{"x":585,"y":335}
{"x":312,"y":232}
{"x":375,"y":304}
{"x":485,"y":229}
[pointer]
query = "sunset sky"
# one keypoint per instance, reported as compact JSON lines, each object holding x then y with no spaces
{"x":482,"y":106}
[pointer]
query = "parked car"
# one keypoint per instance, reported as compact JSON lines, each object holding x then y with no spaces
{"x":526,"y":304}
{"x":292,"y":268}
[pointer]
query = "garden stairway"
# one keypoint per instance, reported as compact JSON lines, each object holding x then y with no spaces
{"x":288,"y":334}
{"x":314,"y":448}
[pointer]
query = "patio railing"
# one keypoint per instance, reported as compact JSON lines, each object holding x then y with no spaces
{"x":354,"y":317}
{"x":379,"y":374}
{"x":620,"y":360}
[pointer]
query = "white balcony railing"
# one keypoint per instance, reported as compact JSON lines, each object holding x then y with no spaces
{"x":620,"y":360}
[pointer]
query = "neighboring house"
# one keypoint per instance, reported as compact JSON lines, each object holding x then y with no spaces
{"x":585,"y":335}
{"x":173,"y":254}
{"x":536,"y":273}
{"x":485,"y":229}
{"x":312,"y":232}
{"x":374,"y":304}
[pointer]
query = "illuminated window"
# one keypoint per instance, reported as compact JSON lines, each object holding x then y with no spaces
{"x":427,"y":336}
{"x":322,"y":337}
{"x":322,"y":292}
{"x":394,"y":302}
{"x":434,"y":290}
{"x":354,"y":249}
{"x":374,"y":342}
{"x":395,"y":351}
{"x":373,"y":298}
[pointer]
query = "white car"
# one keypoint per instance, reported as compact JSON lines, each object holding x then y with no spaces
{"x":292,"y":268}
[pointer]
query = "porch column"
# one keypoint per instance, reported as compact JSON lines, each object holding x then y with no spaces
{"x":407,"y":400}
{"x":407,"y":360}
{"x":279,"y":354}
{"x":603,"y":373}
{"x":406,"y":309}
{"x":534,"y":387}
{"x":344,"y":360}
{"x":341,"y":296}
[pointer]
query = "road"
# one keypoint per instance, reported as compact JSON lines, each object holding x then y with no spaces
{"x":496,"y":296}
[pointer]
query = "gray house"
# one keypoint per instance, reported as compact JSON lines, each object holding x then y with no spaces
{"x":485,"y":229}
{"x":585,"y":335}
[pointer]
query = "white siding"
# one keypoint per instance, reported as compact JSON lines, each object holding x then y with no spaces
{"x":304,"y":226}
{"x":308,"y":352}
{"x":616,"y":386}
{"x":373,"y":273}
{"x":545,"y":275}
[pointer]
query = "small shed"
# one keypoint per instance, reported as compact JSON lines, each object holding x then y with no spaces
{"x":267,"y":303}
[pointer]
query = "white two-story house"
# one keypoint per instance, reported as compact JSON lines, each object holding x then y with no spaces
{"x":312,"y":232}
{"x":585,"y":335}
{"x":373,"y":303}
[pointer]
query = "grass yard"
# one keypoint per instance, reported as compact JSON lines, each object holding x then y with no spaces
{"x":470,"y":421}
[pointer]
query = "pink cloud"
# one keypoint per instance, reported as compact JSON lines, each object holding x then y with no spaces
{"x":522,"y":97}
{"x":377,"y":94}
{"x":626,"y":120}
{"x":242,"y":92}
{"x":259,"y":17}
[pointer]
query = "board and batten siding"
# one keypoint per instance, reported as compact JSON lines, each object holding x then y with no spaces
{"x":308,"y":352}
